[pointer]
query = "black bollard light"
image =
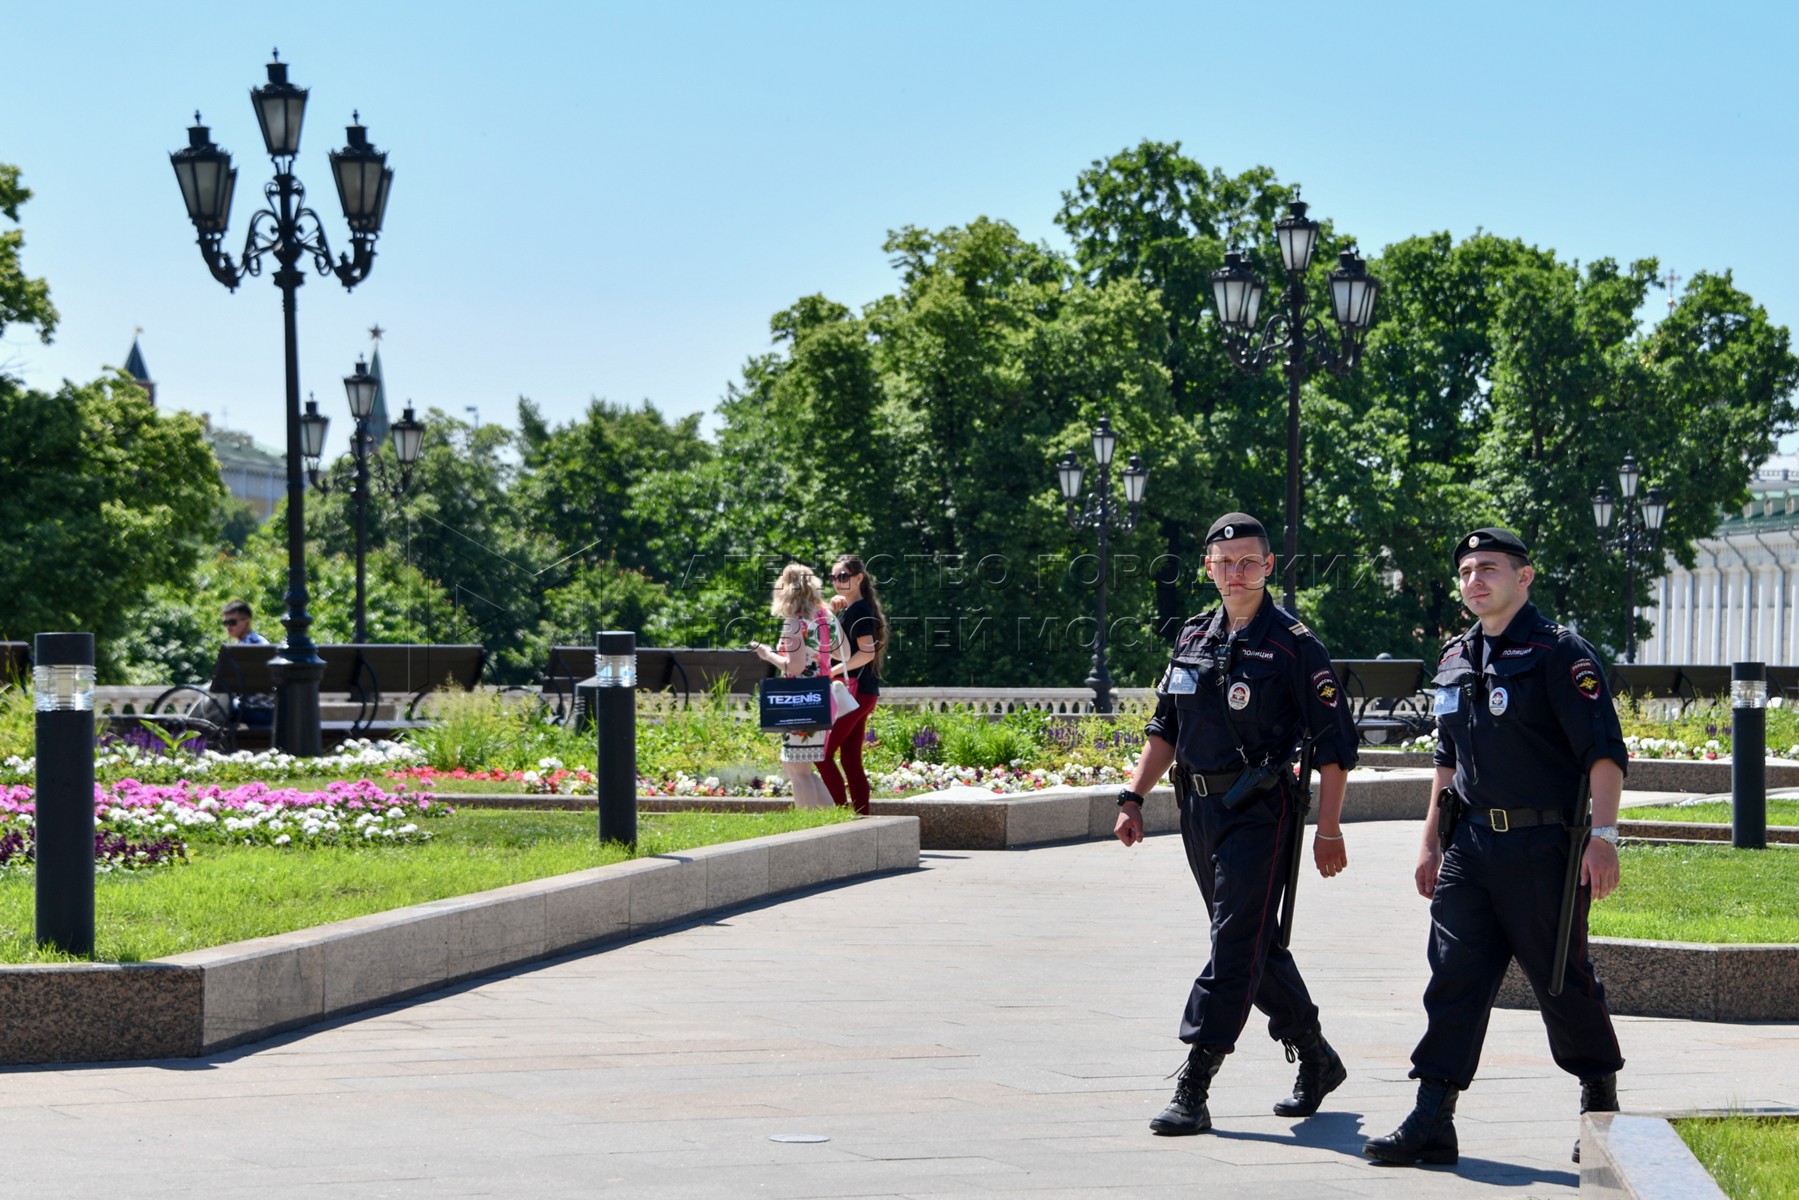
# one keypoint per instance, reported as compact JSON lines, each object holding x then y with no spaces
{"x":615,"y":722}
{"x":62,"y":683}
{"x":1748,"y":756}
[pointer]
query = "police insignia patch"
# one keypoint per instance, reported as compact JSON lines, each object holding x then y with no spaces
{"x":1585,"y":674}
{"x":1325,"y":683}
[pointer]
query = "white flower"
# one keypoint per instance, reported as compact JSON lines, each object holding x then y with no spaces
{"x":283,"y":840}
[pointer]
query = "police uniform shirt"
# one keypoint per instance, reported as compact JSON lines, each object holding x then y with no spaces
{"x":1523,"y":716}
{"x":1273,"y":678}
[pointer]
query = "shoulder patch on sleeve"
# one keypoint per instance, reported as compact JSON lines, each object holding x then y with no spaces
{"x":1325,"y":684}
{"x":1587,"y":682}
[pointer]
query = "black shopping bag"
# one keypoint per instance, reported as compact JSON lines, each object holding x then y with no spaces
{"x":801,"y":705}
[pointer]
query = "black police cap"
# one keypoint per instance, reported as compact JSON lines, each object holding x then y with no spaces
{"x":1491,"y":538}
{"x":1235,"y":525}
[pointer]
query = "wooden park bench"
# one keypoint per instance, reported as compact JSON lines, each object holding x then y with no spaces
{"x":1685,"y":683}
{"x":1384,"y":696}
{"x":375,"y":679}
{"x":681,"y":670}
{"x":1784,"y":682}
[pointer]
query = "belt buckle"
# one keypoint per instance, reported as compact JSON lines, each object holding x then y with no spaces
{"x":1497,"y":818}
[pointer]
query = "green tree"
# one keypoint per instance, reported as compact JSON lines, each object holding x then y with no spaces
{"x":459,"y":526}
{"x":576,"y":480}
{"x":602,"y":596}
{"x":1155,"y":216}
{"x":1503,"y":385}
{"x":105,"y":498}
{"x":1499,"y":384}
{"x":22,"y":298}
{"x":921,"y":435}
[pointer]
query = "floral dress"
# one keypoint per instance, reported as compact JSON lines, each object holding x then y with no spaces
{"x":809,"y":747}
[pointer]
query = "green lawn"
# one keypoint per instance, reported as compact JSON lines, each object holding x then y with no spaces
{"x":229,"y":893}
{"x":1751,"y":1158}
{"x":1711,"y":894}
{"x":1781,"y":811}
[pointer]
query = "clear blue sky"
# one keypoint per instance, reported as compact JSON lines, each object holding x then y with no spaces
{"x":611,"y":199}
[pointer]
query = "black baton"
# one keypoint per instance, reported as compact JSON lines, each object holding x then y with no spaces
{"x":1302,"y":805}
{"x":1564,"y":925}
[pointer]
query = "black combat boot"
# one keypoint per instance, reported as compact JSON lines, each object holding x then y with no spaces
{"x":1186,"y":1113}
{"x":1320,"y":1073}
{"x":1599,"y":1094}
{"x":1428,"y":1132}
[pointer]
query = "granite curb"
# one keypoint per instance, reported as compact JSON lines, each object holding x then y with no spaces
{"x":1694,"y":982}
{"x":207,"y":1000}
{"x":1640,"y":1156}
{"x":1695,"y":831}
{"x":1645,"y":774}
{"x":1011,"y":821}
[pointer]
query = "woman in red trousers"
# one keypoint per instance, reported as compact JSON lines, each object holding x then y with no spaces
{"x":865,"y":637}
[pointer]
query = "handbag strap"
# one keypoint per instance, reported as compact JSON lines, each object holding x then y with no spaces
{"x":824,"y":646}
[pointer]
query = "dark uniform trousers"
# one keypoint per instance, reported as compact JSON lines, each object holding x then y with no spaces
{"x":1499,"y":896}
{"x":1239,"y":861}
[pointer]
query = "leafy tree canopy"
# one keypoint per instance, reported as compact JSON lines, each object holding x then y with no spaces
{"x":105,"y":498}
{"x":22,"y":298}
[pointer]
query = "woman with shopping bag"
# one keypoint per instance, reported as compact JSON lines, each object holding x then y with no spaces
{"x":808,"y":635}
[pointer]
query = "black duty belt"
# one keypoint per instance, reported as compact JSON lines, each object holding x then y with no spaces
{"x":1219,"y":782}
{"x":1502,"y":820}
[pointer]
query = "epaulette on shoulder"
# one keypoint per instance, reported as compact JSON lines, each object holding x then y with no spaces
{"x":1298,"y":629}
{"x":1205,"y":615}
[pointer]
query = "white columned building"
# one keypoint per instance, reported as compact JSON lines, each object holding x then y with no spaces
{"x":1740,"y":602}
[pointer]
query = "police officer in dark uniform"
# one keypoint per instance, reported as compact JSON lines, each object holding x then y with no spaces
{"x":1523,"y":718}
{"x":1247,"y":681}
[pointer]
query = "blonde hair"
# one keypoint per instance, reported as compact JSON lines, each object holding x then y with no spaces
{"x":797,"y":593}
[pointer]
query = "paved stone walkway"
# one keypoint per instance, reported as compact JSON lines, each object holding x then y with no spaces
{"x":997,"y":1024}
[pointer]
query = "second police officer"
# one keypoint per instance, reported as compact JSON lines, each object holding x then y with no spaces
{"x":1524,"y":719}
{"x":1246,"y":683}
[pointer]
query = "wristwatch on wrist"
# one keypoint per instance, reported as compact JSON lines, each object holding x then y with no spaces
{"x":1128,"y":794}
{"x":1606,"y":833}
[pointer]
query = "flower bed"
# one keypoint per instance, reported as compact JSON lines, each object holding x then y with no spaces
{"x":142,"y":825}
{"x":1710,"y":750}
{"x":116,"y":759}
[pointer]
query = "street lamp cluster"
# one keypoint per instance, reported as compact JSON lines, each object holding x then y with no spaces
{"x":1639,"y":525}
{"x":408,"y":435}
{"x":287,"y":231}
{"x":1099,"y":511}
{"x":1296,"y":336}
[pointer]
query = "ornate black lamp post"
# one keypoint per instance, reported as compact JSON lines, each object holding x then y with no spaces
{"x":1295,"y":334}
{"x":1099,"y":511}
{"x":1639,"y":523}
{"x":287,"y":231}
{"x":408,"y":435}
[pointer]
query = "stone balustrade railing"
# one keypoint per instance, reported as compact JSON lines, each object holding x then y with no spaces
{"x":129,"y":699}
